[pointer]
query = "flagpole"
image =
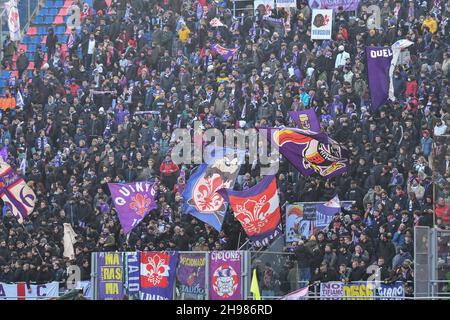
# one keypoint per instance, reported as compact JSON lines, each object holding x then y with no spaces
{"x":239,"y":240}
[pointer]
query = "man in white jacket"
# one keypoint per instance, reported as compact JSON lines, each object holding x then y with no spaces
{"x":341,"y":58}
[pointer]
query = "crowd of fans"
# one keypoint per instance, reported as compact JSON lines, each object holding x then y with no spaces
{"x":80,"y":128}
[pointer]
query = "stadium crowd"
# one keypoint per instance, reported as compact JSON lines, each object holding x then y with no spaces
{"x":80,"y":127}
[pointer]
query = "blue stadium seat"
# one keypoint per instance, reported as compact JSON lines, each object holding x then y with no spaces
{"x":39,"y":20}
{"x":53,"y":12}
{"x":60,"y":30}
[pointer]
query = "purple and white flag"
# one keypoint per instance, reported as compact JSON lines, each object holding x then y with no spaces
{"x":311,"y":152}
{"x":378,"y":63}
{"x":306,"y":120}
{"x":133,"y":201}
{"x":224,"y":52}
{"x":15,"y":193}
{"x":347,"y":5}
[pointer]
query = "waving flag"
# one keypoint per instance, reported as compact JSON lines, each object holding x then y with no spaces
{"x":297,"y":294}
{"x":306,"y":119}
{"x":15,"y":193}
{"x":396,"y":48}
{"x":258,"y":210}
{"x":13,"y":20}
{"x":200,"y":195}
{"x":224,"y":52}
{"x":216,"y":23}
{"x":311,"y":152}
{"x":157,"y":275}
{"x":133,"y":201}
{"x":378,"y":62}
{"x":254,"y":287}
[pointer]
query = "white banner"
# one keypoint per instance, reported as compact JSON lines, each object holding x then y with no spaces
{"x":321,"y":24}
{"x":19,"y":291}
{"x":13,"y":20}
{"x":286,"y":3}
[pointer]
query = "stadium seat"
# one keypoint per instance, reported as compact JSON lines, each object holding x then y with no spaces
{"x":58,"y":20}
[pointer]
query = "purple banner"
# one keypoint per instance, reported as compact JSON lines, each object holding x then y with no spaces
{"x":378,"y":63}
{"x":133,"y":273}
{"x":225,"y":275}
{"x":158,"y":275}
{"x":311,"y":152}
{"x":257,"y":209}
{"x":109,"y":276}
{"x":306,"y":120}
{"x":191,"y":276}
{"x":133,"y":201}
{"x":347,"y":5}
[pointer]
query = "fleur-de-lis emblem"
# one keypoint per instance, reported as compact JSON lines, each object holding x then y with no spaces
{"x":206,"y":197}
{"x":253,"y":214}
{"x":140,"y":203}
{"x":157,"y":271}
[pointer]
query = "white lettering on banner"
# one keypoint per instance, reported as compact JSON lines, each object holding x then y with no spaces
{"x":147,"y":296}
{"x":225,"y":255}
{"x":380,"y":53}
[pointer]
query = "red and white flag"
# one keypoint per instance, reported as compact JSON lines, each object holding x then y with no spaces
{"x":216,"y":23}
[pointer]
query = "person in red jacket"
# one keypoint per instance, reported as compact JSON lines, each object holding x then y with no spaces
{"x":411,"y":87}
{"x":443,"y":211}
{"x":169,"y":170}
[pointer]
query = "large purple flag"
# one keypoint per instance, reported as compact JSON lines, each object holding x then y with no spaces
{"x":378,"y":64}
{"x":257,"y":209}
{"x":311,"y":152}
{"x":347,"y":5}
{"x":15,"y":193}
{"x":133,"y":201}
{"x":306,"y":119}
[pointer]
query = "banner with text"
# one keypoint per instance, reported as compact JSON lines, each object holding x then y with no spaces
{"x":191,"y":276}
{"x":347,"y":5}
{"x":133,"y":273}
{"x":321,"y":24}
{"x":157,"y":275}
{"x":19,"y":291}
{"x":303,"y":217}
{"x":109,"y":276}
{"x":225,"y":275}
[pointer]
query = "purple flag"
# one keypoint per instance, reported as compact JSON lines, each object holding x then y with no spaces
{"x":306,"y":120}
{"x":158,"y":275}
{"x":109,"y":276}
{"x":257,"y":209}
{"x":15,"y":193}
{"x":224,"y":52}
{"x":191,"y":276}
{"x":311,"y":152}
{"x":4,"y":153}
{"x":225,"y":275}
{"x":378,"y":63}
{"x":133,"y":201}
{"x":347,"y":5}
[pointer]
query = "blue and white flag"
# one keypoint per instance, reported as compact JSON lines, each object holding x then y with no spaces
{"x":201,"y":197}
